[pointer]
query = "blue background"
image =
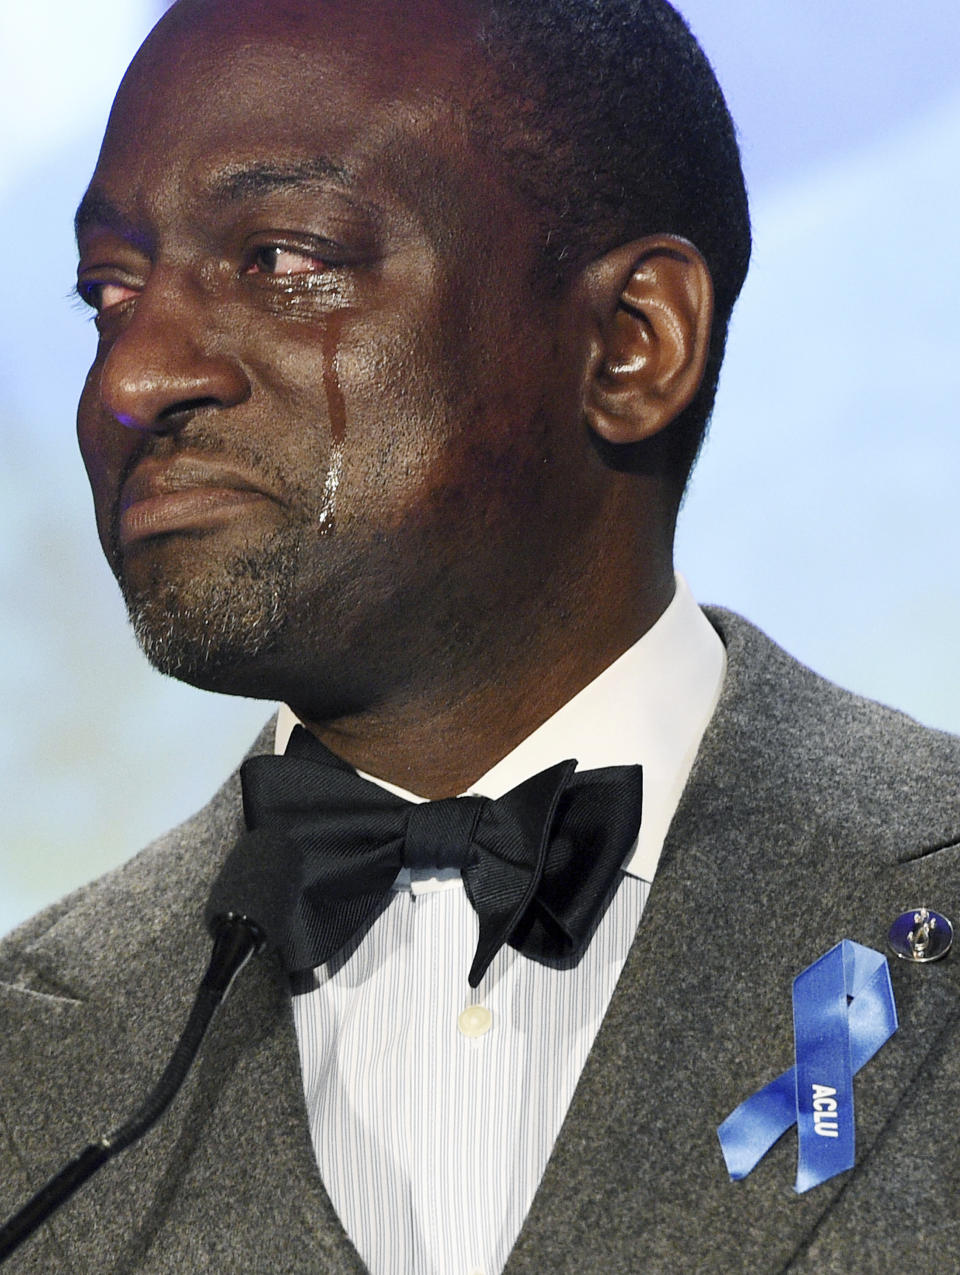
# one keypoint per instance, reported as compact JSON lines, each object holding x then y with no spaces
{"x":823,"y":507}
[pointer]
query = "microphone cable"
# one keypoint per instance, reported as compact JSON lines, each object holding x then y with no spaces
{"x":236,"y":939}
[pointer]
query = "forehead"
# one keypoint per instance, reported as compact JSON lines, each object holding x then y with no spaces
{"x":372,"y":88}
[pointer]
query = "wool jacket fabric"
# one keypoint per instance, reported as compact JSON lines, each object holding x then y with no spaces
{"x":811,"y":816}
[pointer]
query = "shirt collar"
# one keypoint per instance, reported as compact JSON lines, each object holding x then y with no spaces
{"x":651,"y":706}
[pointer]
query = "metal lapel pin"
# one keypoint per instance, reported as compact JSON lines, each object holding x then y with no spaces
{"x":920,"y":935}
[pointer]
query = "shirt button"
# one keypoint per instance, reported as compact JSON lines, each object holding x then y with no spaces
{"x":474,"y":1021}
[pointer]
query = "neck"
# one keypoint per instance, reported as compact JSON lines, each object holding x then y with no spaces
{"x":438,"y":741}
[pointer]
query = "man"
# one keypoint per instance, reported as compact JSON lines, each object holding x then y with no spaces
{"x":410,"y":322}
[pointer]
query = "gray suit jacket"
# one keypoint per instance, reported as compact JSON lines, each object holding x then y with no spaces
{"x":811,"y":816}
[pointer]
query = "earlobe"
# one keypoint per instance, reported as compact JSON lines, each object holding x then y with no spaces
{"x":653,"y":304}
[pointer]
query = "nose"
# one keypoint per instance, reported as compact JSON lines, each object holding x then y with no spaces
{"x":168,"y":361}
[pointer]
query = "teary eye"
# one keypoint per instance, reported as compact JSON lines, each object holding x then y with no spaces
{"x":104,"y":296}
{"x":111,"y":294}
{"x":275,"y":260}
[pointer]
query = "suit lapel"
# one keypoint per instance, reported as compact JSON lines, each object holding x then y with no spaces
{"x":702,"y":1014}
{"x":228,"y":1176}
{"x":233,"y":1180}
{"x":48,"y":1111}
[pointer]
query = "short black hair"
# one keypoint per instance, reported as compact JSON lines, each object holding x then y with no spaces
{"x":617,"y":128}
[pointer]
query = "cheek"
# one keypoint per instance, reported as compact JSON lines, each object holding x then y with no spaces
{"x":104,"y":447}
{"x":384,"y":402}
{"x":88,"y":435}
{"x":446,"y":453}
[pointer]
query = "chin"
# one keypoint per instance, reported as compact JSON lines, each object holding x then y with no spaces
{"x":213,"y":654}
{"x":217,"y":625}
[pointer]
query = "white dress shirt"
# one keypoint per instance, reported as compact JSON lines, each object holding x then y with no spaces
{"x":434,"y":1107}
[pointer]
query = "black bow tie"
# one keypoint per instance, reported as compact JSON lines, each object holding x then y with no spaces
{"x":324,"y":847}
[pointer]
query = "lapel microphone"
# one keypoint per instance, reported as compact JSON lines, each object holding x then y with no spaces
{"x":248,"y":887}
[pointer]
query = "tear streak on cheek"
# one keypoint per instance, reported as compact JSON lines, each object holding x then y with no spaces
{"x":331,"y":485}
{"x":337,"y":419}
{"x":336,"y":407}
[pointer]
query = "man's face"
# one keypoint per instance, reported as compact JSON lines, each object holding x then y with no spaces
{"x":331,"y":427}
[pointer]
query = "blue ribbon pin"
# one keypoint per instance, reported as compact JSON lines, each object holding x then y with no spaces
{"x":843,"y":1011}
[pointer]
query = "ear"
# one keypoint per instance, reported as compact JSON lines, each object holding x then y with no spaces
{"x":652,"y":302}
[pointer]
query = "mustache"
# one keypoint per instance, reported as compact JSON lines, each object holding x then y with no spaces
{"x":198,"y":442}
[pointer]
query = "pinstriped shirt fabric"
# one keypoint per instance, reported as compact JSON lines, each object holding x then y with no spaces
{"x":458,"y":1127}
{"x":432,"y":1126}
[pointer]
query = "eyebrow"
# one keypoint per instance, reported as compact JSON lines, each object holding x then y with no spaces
{"x":231,"y":185}
{"x":251,"y":180}
{"x":96,"y":210}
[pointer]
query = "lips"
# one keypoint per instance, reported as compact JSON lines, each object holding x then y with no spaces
{"x":186,"y":494}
